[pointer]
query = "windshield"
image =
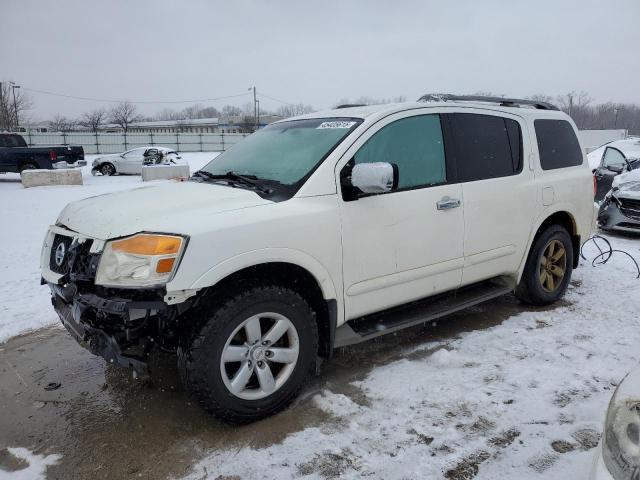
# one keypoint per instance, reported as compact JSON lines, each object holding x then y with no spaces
{"x":285,"y":152}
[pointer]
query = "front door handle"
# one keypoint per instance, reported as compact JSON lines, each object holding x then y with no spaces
{"x":448,"y":203}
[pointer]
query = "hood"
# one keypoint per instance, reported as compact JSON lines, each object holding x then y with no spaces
{"x":628,"y":190}
{"x":169,"y":208}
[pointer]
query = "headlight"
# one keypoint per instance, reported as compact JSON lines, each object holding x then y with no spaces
{"x":621,"y":439}
{"x":140,"y":261}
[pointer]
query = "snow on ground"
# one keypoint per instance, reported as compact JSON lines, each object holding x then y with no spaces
{"x":26,"y":215}
{"x":630,"y":147}
{"x":31,"y":466}
{"x":525,"y":399}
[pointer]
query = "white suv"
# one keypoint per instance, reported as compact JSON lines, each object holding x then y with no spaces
{"x":321,"y":231}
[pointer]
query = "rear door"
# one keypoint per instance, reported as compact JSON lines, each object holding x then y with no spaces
{"x":498,"y":190}
{"x":405,"y":244}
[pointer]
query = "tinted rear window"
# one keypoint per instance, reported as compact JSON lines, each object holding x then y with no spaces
{"x":485,"y":146}
{"x":12,"y":141}
{"x":557,"y":144}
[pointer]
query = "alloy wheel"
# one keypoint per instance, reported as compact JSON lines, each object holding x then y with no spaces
{"x":260,"y":356}
{"x":553,"y":266}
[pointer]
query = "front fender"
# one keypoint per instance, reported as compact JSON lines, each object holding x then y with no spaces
{"x":269,"y":255}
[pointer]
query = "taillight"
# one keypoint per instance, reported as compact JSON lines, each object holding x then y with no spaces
{"x":595,"y":187}
{"x":53,"y":155}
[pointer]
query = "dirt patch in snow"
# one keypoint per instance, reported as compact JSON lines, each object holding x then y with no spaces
{"x":468,"y":467}
{"x":330,"y":464}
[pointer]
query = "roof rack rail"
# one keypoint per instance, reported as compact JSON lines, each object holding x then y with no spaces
{"x":350,"y":105}
{"x":504,"y":102}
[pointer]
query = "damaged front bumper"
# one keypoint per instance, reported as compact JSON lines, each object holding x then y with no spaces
{"x":619,"y":214}
{"x":120,"y":330}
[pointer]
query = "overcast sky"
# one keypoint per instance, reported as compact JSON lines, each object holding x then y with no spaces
{"x":315,"y":52}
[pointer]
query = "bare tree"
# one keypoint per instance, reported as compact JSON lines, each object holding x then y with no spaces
{"x":231,"y":111}
{"x":60,"y":123}
{"x":93,"y":120}
{"x":364,"y":100}
{"x":292,"y":110}
{"x":124,"y":114}
{"x":576,"y":105}
{"x":12,"y":113}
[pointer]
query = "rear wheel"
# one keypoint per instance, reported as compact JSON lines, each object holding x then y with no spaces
{"x":548,"y":269}
{"x":28,"y":166}
{"x":252,"y":355}
{"x":107,"y":169}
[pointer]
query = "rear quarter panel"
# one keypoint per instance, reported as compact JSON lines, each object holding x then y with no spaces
{"x":568,"y":189}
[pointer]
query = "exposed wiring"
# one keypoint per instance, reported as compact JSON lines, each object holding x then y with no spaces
{"x":606,"y":252}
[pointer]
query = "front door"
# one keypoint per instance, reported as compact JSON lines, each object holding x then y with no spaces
{"x":131,"y":161}
{"x":406,"y":244}
{"x":613,"y":163}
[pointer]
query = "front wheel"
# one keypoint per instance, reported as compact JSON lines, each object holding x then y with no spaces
{"x":252,"y":355}
{"x":548,"y":269}
{"x":107,"y":169}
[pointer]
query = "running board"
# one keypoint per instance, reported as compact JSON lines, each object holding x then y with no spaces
{"x":422,"y":311}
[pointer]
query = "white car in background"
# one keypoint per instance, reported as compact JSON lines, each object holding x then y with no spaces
{"x":131,"y":161}
{"x":618,"y":455}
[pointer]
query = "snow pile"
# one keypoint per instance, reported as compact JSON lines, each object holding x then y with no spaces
{"x":26,"y":215}
{"x":35,"y":469}
{"x":525,"y":399}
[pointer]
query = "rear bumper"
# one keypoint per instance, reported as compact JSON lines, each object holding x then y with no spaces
{"x":80,"y":315}
{"x":62,"y":164}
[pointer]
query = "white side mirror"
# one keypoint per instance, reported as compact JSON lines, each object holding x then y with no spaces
{"x":379,"y":177}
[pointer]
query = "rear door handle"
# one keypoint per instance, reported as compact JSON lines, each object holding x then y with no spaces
{"x":448,"y":203}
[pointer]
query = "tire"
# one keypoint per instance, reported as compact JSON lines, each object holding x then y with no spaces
{"x":107,"y":169}
{"x":210,"y":380}
{"x":535,"y":287}
{"x":28,"y":166}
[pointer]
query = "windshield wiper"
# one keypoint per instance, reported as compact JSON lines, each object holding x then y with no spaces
{"x":234,"y":177}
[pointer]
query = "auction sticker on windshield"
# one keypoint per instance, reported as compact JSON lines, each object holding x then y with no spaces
{"x":336,"y":124}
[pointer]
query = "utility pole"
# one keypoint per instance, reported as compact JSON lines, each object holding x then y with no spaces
{"x":255,"y":107}
{"x":258,"y":114}
{"x":2,"y":117}
{"x":15,"y":107}
{"x":615,"y":122}
{"x":570,"y":104}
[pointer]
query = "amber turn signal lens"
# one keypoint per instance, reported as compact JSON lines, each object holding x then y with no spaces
{"x":148,"y":245}
{"x":165,"y":265}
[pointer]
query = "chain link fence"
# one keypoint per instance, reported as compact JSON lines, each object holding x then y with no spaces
{"x":120,"y":142}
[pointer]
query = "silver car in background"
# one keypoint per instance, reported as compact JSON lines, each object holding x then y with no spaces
{"x":131,"y":161}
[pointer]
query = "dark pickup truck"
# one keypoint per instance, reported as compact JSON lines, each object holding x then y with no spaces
{"x":17,"y":156}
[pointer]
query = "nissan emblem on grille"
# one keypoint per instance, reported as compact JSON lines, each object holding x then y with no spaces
{"x":60,"y":251}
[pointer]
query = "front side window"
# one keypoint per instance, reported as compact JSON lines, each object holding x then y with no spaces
{"x":286,"y":152}
{"x":415,"y":145}
{"x":613,"y":157}
{"x":485,"y":146}
{"x":558,"y":145}
{"x":134,"y":152}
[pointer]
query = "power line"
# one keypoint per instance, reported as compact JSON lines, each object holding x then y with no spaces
{"x":136,"y":101}
{"x":273,"y":98}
